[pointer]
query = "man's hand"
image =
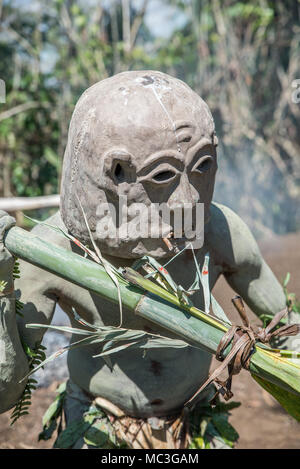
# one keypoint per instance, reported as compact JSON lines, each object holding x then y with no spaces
{"x":291,"y":343}
{"x":6,"y":259}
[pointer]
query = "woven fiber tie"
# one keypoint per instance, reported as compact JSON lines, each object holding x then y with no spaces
{"x":243,"y":340}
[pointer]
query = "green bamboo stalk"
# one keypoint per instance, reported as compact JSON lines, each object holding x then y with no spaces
{"x":149,"y":301}
{"x":71,"y":266}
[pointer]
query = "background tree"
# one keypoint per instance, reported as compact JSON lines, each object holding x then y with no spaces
{"x":241,"y":57}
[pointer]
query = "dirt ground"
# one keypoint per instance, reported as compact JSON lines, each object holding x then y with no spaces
{"x":260,"y":421}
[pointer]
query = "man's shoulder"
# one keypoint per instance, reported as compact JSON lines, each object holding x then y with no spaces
{"x":33,"y":275}
{"x":225,"y":223}
{"x":230,"y":237}
{"x":52,"y":229}
{"x":226,"y":218}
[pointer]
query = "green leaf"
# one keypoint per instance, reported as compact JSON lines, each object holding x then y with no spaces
{"x":19,"y":415}
{"x":71,"y":434}
{"x":225,"y":406}
{"x":89,"y":418}
{"x":289,"y":401}
{"x":98,"y":433}
{"x":71,"y":330}
{"x":164,"y":342}
{"x":2,"y":285}
{"x":197,"y":443}
{"x":218,"y":310}
{"x":224,"y":428}
{"x":205,"y":282}
{"x":287,"y":279}
{"x":61,"y":388}
{"x":48,"y":431}
{"x":52,"y":158}
{"x":110,"y":270}
{"x":117,"y":349}
{"x":129,"y":335}
{"x":51,"y":412}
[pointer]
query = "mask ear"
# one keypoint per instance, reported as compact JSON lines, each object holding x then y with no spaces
{"x":118,"y":169}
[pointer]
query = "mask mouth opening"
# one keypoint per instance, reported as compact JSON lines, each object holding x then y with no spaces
{"x":175,"y":245}
{"x":167,"y":241}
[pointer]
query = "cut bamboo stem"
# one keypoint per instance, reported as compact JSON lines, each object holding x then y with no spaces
{"x":156,"y":305}
{"x":93,"y":277}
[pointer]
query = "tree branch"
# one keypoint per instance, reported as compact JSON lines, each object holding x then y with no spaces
{"x":18,"y":109}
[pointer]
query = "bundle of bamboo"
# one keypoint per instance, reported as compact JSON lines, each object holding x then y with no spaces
{"x":269,"y":367}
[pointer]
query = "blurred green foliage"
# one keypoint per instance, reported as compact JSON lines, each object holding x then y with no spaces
{"x":241,"y":57}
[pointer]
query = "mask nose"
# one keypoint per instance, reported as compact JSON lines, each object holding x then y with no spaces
{"x":184,"y":194}
{"x":181,"y":205}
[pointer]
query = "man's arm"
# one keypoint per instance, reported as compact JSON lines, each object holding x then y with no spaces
{"x":13,"y":361}
{"x":258,"y":286}
{"x":32,"y":289}
{"x":243,"y":265}
{"x":35,"y":289}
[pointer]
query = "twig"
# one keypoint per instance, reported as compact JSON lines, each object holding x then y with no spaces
{"x":13,"y":204}
{"x":18,"y":109}
{"x":137,"y":22}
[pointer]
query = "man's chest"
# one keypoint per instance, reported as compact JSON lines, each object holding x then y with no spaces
{"x":98,"y":310}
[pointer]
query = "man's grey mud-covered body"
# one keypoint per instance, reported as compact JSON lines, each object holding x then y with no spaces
{"x":150,"y":137}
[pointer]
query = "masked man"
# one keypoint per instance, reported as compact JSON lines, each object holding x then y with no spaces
{"x":147,"y":138}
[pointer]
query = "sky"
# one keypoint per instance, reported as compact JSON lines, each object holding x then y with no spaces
{"x":162,"y":18}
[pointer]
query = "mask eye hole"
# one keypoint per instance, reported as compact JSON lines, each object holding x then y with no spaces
{"x":204,"y":165}
{"x":163,"y":176}
{"x":119,"y":173}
